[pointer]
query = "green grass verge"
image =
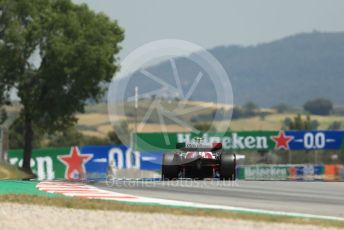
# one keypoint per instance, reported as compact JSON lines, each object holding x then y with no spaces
{"x":17,"y":187}
{"x":78,"y":203}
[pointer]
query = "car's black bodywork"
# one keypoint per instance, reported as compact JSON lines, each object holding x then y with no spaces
{"x":198,"y":162}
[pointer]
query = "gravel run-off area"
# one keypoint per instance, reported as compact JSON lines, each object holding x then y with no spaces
{"x":21,"y":216}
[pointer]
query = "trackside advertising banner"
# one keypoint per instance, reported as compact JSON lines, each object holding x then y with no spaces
{"x":86,"y":161}
{"x":94,"y":161}
{"x":247,"y":140}
{"x":291,"y":172}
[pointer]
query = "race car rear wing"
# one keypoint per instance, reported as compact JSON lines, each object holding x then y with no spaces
{"x":199,"y":146}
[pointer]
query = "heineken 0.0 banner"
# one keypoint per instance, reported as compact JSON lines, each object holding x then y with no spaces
{"x":85,"y":162}
{"x":291,"y":172}
{"x":247,"y":140}
{"x":45,"y":163}
{"x":263,"y":172}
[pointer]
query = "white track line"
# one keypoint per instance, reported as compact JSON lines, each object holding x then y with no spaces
{"x":86,"y":191}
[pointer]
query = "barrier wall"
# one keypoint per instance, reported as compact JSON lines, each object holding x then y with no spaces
{"x":93,"y":162}
{"x":291,"y":172}
{"x":86,"y":161}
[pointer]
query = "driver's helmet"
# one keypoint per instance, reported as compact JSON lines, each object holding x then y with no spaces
{"x":198,"y":139}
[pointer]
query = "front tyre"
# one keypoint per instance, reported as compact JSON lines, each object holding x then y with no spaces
{"x":170,"y":166}
{"x":227,"y":166}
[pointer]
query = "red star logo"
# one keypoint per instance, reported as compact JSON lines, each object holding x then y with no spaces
{"x":75,"y":163}
{"x":282,"y":141}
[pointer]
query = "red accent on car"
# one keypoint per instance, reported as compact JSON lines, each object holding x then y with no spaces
{"x":207,"y":155}
{"x":190,"y":155}
{"x":217,"y":145}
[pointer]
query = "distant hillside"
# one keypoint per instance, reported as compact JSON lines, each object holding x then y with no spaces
{"x":291,"y":70}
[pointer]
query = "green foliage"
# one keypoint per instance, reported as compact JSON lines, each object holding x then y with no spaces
{"x":237,"y":113}
{"x":16,"y":138}
{"x":298,"y":123}
{"x":287,"y":122}
{"x":206,"y":117}
{"x":72,"y":136}
{"x":319,"y":106}
{"x":250,"y":109}
{"x":68,"y":137}
{"x":205,"y":127}
{"x":336,"y":125}
{"x":282,"y":108}
{"x":57,"y":54}
{"x":262,"y":115}
{"x":314,"y":124}
{"x":120,"y":129}
{"x":114,"y":139}
{"x":3,"y":116}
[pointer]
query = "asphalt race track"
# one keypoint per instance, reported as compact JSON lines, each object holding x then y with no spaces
{"x":319,"y":198}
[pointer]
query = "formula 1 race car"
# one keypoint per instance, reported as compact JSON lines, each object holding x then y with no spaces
{"x":198,"y":160}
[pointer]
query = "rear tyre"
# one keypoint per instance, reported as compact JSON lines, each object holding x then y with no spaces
{"x":227,"y":166}
{"x":170,"y":166}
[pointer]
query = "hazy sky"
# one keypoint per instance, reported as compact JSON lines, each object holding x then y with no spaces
{"x":219,"y":22}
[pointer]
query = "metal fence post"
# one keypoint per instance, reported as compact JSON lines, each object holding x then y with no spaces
{"x":290,"y":157}
{"x":3,"y":144}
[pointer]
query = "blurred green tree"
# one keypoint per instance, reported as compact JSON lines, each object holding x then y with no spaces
{"x":250,"y":109}
{"x":205,"y":127}
{"x":16,"y":138}
{"x":57,"y":55}
{"x":336,"y":125}
{"x":298,"y":123}
{"x":282,"y":108}
{"x":121,"y":129}
{"x":319,"y":106}
{"x":114,"y":138}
